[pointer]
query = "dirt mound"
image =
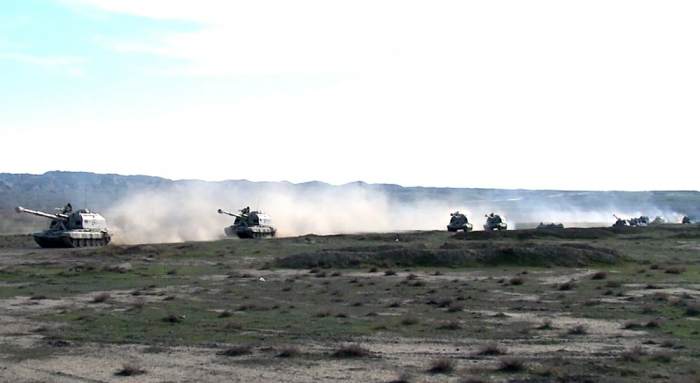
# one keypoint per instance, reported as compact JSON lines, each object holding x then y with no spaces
{"x":450,"y":255}
{"x":567,"y":233}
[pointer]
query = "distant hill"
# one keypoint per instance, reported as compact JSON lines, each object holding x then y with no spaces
{"x":102,"y":192}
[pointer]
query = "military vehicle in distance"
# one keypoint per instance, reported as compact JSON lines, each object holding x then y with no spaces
{"x":495,"y":222}
{"x":68,"y":228}
{"x":620,"y":222}
{"x":632,"y":222}
{"x":459,"y":222}
{"x":250,"y":224}
{"x":550,"y":225}
{"x":686,"y":220}
{"x":658,"y":220}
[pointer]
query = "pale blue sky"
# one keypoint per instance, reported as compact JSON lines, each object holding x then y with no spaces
{"x":509,"y":94}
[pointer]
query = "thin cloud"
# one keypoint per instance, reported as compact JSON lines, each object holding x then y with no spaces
{"x":45,"y":61}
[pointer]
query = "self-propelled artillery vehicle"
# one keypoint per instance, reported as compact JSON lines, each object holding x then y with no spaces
{"x":250,"y":224}
{"x":459,"y":222}
{"x":68,"y":228}
{"x":495,"y":222}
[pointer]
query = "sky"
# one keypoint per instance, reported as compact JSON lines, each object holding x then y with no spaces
{"x":565,"y":95}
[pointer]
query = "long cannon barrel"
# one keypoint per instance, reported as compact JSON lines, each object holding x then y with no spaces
{"x":228,"y":213}
{"x":20,"y":209}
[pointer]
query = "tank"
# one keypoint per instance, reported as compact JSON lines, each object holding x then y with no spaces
{"x":495,"y":222}
{"x":68,"y":228}
{"x":686,"y":219}
{"x":459,"y":222}
{"x":620,"y":222}
{"x":249,"y":224}
{"x":550,"y":225}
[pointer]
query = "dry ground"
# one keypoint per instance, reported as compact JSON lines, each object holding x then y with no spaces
{"x":573,"y":305}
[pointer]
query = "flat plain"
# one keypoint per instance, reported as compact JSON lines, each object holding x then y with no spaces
{"x":559,"y":305}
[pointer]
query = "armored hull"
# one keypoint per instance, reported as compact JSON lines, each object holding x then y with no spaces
{"x":68,"y":239}
{"x":81,"y":228}
{"x":250,"y":232}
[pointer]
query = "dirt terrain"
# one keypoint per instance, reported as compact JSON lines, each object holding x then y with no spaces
{"x":560,"y":305}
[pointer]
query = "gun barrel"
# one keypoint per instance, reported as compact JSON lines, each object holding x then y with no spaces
{"x":227,"y":213}
{"x":20,"y":209}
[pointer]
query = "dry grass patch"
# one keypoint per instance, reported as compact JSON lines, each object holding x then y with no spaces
{"x":632,"y":355}
{"x":491,"y":348}
{"x":598,"y":275}
{"x":579,"y":329}
{"x":516,"y":281}
{"x":441,"y":366}
{"x":692,"y":309}
{"x":663,"y":356}
{"x":239,"y":350}
{"x":101,"y":297}
{"x":512,"y":364}
{"x":289,"y":352}
{"x":352,"y":351}
{"x":130,"y":370}
{"x":409,"y":320}
{"x":570,"y":285}
{"x":676,"y":270}
{"x":172,"y":318}
{"x":450,"y":325}
{"x":322,"y":313}
{"x":233,"y":326}
{"x":250,"y":305}
{"x":475,"y":379}
{"x":546,"y":325}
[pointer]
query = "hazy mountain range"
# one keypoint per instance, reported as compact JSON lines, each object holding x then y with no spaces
{"x":323,"y":208}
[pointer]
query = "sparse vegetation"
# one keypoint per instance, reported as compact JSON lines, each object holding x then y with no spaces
{"x":579,"y":329}
{"x":490,"y":349}
{"x":441,"y":366}
{"x":130,"y":370}
{"x":512,"y":364}
{"x":352,"y":351}
{"x":238,"y":350}
{"x":101,"y":297}
{"x":466,"y":311}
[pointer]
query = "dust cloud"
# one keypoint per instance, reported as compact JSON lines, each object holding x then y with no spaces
{"x":187,"y":211}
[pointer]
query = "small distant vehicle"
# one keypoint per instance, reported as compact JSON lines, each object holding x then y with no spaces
{"x":658,"y":220}
{"x":495,"y":222}
{"x":620,"y":222}
{"x":250,"y":224}
{"x":686,"y":220}
{"x":459,"y":222}
{"x":550,"y":225}
{"x":68,"y":228}
{"x":632,"y":222}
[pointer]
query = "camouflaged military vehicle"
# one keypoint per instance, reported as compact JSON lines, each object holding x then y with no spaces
{"x":458,"y":222}
{"x":686,"y":220}
{"x":68,"y":228}
{"x":495,"y":222}
{"x":249,"y":224}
